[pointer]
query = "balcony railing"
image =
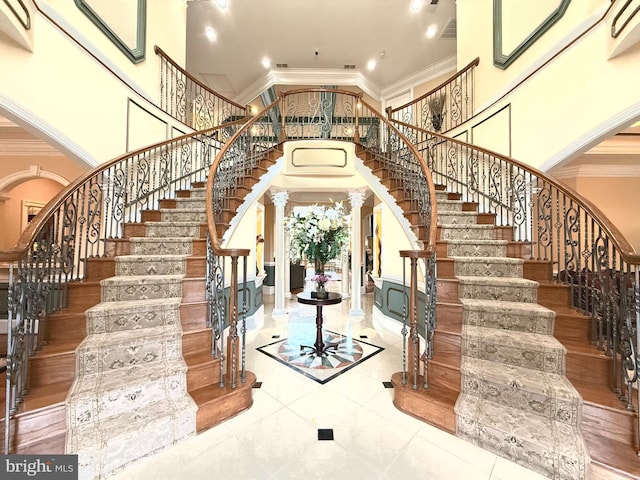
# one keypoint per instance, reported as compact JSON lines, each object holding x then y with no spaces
{"x":192,"y":103}
{"x":442,"y":108}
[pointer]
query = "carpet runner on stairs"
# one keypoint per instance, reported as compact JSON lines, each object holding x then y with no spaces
{"x":129,"y":399}
{"x":515,"y":399}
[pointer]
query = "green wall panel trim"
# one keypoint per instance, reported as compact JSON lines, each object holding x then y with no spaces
{"x":389,"y":300}
{"x":135,"y":54}
{"x":504,"y":60}
{"x":253,"y":300}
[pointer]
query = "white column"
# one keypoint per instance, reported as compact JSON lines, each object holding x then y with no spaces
{"x":357,"y":200}
{"x":287,"y":268}
{"x":344,"y":284}
{"x":279,"y":201}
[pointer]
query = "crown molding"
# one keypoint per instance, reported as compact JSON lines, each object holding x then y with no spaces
{"x":308,"y":76}
{"x":339,"y":77}
{"x":435,"y":70}
{"x":597,"y":171}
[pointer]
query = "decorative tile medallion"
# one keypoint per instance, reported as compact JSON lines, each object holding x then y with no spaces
{"x":322,"y":369}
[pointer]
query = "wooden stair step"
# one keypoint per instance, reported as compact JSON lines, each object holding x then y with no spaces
{"x":216,"y":404}
{"x":433,"y":405}
{"x":613,"y":456}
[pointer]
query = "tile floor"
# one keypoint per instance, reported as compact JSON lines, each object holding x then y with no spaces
{"x":277,"y":438}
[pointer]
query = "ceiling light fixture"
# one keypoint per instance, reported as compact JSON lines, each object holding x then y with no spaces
{"x":416,"y":5}
{"x":266,"y":63}
{"x":371,"y":64}
{"x":432,"y":30}
{"x":211,"y":34}
{"x":222,"y":3}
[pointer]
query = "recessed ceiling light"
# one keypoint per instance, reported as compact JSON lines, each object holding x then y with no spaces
{"x":222,"y":3}
{"x":266,"y":63}
{"x":431,"y":31}
{"x":210,"y":33}
{"x":371,"y":64}
{"x":416,"y":5}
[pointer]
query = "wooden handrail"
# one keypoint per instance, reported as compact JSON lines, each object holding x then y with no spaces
{"x":27,"y":238}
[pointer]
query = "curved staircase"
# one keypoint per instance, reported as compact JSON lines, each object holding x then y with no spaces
{"x":135,"y":370}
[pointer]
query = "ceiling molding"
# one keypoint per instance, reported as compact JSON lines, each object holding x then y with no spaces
{"x":597,"y":171}
{"x":308,"y":76}
{"x":443,"y":67}
{"x":339,"y":77}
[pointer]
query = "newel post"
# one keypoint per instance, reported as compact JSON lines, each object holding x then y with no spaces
{"x":232,"y":339}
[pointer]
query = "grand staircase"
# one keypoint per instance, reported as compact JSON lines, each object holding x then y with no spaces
{"x":128,"y":368}
{"x":499,"y":377}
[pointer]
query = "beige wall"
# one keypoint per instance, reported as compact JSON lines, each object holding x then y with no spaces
{"x":39,"y":190}
{"x":618,"y":198}
{"x":475,"y":39}
{"x":62,"y":87}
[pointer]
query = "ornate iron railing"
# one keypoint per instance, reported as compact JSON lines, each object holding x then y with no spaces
{"x":336,"y":115}
{"x":443,"y":108}
{"x":191,"y":102}
{"x":587,"y":252}
{"x":78,"y":224}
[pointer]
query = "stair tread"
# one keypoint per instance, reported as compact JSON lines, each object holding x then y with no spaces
{"x":110,"y":380}
{"x":135,"y":305}
{"x":65,"y":346}
{"x":501,"y":306}
{"x":138,"y":279}
{"x":161,"y":239}
{"x":211,"y":393}
{"x":138,"y":419}
{"x":562,"y":438}
{"x":474,"y":242}
{"x":474,"y":259}
{"x":497,"y":281}
{"x":136,"y":257}
{"x":613,"y":455}
{"x":512,"y":338}
{"x":137,"y":335}
{"x":602,"y":396}
{"x":520,"y":378}
{"x":198,"y":358}
{"x":43,"y":396}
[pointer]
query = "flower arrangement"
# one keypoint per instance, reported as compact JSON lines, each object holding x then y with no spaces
{"x":320,"y":278}
{"x":318,"y":233}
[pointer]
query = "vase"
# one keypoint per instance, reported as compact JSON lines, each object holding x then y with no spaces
{"x":321,"y":291}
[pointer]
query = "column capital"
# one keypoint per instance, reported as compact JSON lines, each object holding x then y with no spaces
{"x":280,"y":198}
{"x":356,"y":198}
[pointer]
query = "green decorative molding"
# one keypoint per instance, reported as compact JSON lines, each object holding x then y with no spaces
{"x":504,"y":60}
{"x":389,"y":300}
{"x":26,"y":21}
{"x":135,"y":53}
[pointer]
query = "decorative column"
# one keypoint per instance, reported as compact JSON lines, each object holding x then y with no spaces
{"x":287,"y":268}
{"x":280,"y":201}
{"x":344,"y":284}
{"x":357,"y":200}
